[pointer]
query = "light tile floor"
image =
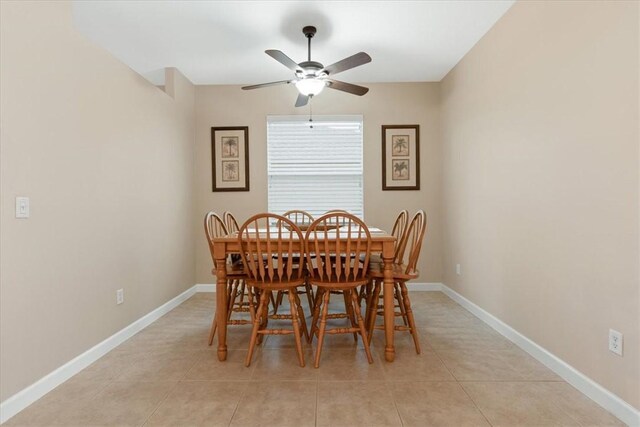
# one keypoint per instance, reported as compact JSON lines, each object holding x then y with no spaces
{"x":467,"y":374}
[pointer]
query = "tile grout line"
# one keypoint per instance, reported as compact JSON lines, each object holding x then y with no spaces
{"x":247,"y":384}
{"x":160,"y":403}
{"x":395,"y":402}
{"x":460,"y":385}
{"x":475,"y":404}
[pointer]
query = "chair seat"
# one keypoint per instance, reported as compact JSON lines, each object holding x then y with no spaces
{"x":333,"y":282}
{"x":280,"y":284}
{"x":376,"y":271}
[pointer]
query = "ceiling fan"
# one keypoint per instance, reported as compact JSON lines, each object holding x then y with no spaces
{"x":311,"y":76}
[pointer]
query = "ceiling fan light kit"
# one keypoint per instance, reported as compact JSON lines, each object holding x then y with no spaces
{"x":310,"y":86}
{"x":312,"y":77}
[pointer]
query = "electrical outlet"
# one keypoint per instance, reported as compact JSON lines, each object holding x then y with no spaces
{"x":119,"y":296}
{"x":615,"y":342}
{"x":458,"y":270}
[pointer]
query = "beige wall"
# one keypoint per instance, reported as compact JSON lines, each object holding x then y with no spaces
{"x":403,"y":103}
{"x":107,"y":160}
{"x":540,"y":181}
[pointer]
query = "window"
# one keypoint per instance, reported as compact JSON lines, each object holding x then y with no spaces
{"x":315,"y":169}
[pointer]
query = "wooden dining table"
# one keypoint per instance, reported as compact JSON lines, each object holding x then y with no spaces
{"x":381,"y":242}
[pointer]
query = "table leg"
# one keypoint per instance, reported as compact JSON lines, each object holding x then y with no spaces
{"x":389,"y":317}
{"x":221,"y":307}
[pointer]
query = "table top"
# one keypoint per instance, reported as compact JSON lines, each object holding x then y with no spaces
{"x":377,"y":234}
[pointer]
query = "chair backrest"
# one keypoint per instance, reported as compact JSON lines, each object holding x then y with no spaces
{"x":398,"y":231}
{"x":334,"y":222}
{"x":267,"y":249}
{"x":299,"y":217}
{"x":409,"y":250}
{"x":214,"y":227}
{"x":230,"y":221}
{"x":334,"y":255}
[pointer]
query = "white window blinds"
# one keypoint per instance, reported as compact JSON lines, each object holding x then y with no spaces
{"x":315,"y":169}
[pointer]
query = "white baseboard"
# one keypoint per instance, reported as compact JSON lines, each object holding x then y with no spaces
{"x":35,"y":391}
{"x":603,"y":397}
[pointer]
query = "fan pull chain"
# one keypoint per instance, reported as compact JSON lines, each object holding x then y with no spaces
{"x":310,"y":112}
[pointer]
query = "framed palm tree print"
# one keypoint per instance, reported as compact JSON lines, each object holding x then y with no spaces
{"x":230,"y":158}
{"x":400,"y":157}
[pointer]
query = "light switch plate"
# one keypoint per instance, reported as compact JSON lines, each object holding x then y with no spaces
{"x":22,"y":207}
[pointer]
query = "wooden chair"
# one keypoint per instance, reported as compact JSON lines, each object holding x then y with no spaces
{"x":214,"y":227}
{"x":231,"y":222}
{"x":302,"y":219}
{"x":398,"y":231}
{"x":333,"y":222}
{"x":403,"y":270}
{"x":266,"y":241}
{"x":336,"y":266}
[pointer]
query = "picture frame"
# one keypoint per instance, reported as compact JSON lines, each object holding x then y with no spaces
{"x":400,"y":157}
{"x":230,"y":158}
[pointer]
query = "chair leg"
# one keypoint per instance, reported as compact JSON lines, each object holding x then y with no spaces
{"x":256,"y":326}
{"x":250,"y":299}
{"x":316,"y":314}
{"x":363,"y":330}
{"x":323,"y":326}
{"x":412,"y":323}
{"x":265,"y":314}
{"x":403,"y":311}
{"x":293,"y":296}
{"x":240,"y":292}
{"x":367,"y":302}
{"x":349,"y":309}
{"x":232,"y":299}
{"x":372,"y":308}
{"x":371,"y":301}
{"x":367,"y":289}
{"x":362,"y":293}
{"x":303,"y":321}
{"x":279,"y":298}
{"x":309,"y":290}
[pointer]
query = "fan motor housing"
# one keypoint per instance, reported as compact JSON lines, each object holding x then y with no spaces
{"x":311,"y":67}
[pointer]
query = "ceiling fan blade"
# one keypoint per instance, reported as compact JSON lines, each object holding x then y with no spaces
{"x":348,"y":63}
{"x":281,"y":82}
{"x":302,"y":100}
{"x":347,"y":87}
{"x":283,"y":59}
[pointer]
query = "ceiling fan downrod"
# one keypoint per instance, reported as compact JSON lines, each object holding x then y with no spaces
{"x":309,"y":31}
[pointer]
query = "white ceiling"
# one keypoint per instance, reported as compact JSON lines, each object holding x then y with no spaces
{"x":223,"y":42}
